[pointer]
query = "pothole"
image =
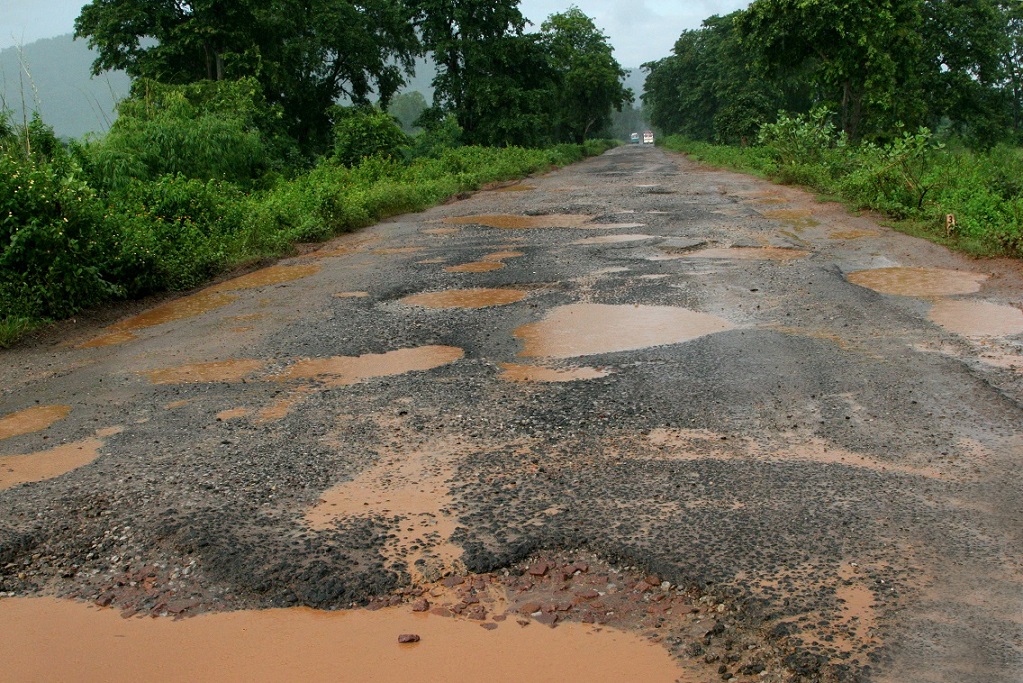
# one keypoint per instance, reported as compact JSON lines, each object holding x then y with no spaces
{"x":465,"y":298}
{"x":590,"y":329}
{"x":31,"y":420}
{"x":614,"y":239}
{"x":234,"y":370}
{"x":918,"y":282}
{"x":274,"y":275}
{"x":514,"y":222}
{"x":43,"y":465}
{"x":310,"y":645}
{"x":750,"y":253}
{"x":977,"y":318}
{"x":344,"y":370}
{"x":179,"y":309}
{"x":475,"y":267}
{"x":514,"y":372}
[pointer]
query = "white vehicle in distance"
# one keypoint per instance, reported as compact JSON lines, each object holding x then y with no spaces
{"x":648,"y":137}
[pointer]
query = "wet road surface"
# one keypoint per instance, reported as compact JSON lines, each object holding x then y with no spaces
{"x":634,"y":395}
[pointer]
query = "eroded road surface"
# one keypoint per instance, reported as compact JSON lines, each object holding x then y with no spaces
{"x":705,"y":427}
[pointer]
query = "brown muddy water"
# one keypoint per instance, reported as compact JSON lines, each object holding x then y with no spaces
{"x":466,"y":298}
{"x":513,"y":222}
{"x":47,"y":639}
{"x":234,"y":370}
{"x":977,"y":318}
{"x":31,"y":420}
{"x":614,"y":239}
{"x":475,"y":267}
{"x":21,"y":469}
{"x":111,"y":339}
{"x":274,"y":275}
{"x":748,"y":253}
{"x":179,"y":309}
{"x":589,"y":329}
{"x":344,"y":370}
{"x":514,"y":372}
{"x":918,"y":282}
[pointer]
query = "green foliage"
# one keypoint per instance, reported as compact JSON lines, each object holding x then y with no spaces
{"x":210,"y":130}
{"x":407,"y":108}
{"x":588,"y":78}
{"x":305,"y":54}
{"x":361,"y":132}
{"x":911,"y":178}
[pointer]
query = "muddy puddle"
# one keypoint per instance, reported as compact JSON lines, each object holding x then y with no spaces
{"x":514,"y":372}
{"x":466,"y":298}
{"x":475,"y":267}
{"x":797,"y":218}
{"x":274,"y":275}
{"x":977,"y":318}
{"x":43,"y":465}
{"x":112,"y":339}
{"x":345,"y":370}
{"x":488,"y":263}
{"x":853,"y":234}
{"x":392,"y":251}
{"x":234,"y":370}
{"x":748,"y":253}
{"x":179,"y":309}
{"x":232,"y":414}
{"x":351,"y":295}
{"x":514,"y":222}
{"x":31,"y":420}
{"x":589,"y":329}
{"x":516,"y":188}
{"x":918,"y":282}
{"x":412,"y":487}
{"x":614,"y":239}
{"x":308,"y":645}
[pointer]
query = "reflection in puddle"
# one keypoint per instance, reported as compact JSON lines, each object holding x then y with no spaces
{"x":749,"y":253}
{"x":920,"y":282}
{"x":31,"y":420}
{"x":220,"y":371}
{"x":274,"y":275}
{"x":465,"y":298}
{"x":111,"y":339}
{"x":977,"y":318}
{"x":179,"y":309}
{"x":587,"y":329}
{"x":21,"y":469}
{"x":344,"y":370}
{"x":308,"y":645}
{"x":614,"y":239}
{"x":523,"y":222}
{"x":513,"y":372}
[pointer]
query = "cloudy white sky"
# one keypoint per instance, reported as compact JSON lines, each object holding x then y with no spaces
{"x":640,"y":30}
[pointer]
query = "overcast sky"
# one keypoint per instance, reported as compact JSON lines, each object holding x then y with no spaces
{"x":640,"y":30}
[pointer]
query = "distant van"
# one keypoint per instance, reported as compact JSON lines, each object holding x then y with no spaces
{"x":635,"y":138}
{"x":648,"y":137}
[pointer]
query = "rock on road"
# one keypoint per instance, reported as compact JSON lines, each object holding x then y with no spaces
{"x":710,"y":378}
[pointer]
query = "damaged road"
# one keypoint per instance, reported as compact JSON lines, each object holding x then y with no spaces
{"x":775,"y":438}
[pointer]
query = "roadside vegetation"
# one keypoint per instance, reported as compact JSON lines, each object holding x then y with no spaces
{"x":909,"y":107}
{"x":213,"y":164}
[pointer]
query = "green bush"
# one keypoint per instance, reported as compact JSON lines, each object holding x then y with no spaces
{"x":361,"y":133}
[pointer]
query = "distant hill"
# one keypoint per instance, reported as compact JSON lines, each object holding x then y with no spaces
{"x":59,"y":85}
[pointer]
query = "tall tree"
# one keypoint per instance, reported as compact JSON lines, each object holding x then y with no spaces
{"x":862,"y":57}
{"x":489,"y":75}
{"x":306,"y":54}
{"x":589,"y":79}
